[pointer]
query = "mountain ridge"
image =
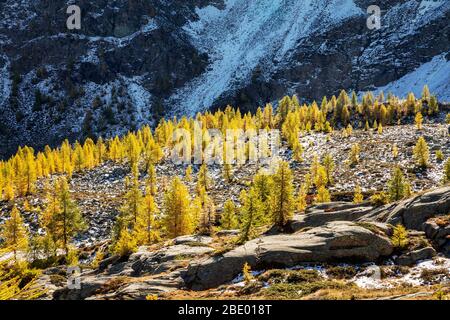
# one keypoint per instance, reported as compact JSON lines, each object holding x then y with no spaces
{"x":132,"y":63}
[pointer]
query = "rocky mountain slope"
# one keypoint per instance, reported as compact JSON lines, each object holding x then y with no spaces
{"x":299,"y":264}
{"x":337,"y":250}
{"x":134,"y":61}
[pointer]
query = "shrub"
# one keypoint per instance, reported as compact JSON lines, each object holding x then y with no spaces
{"x":247,"y":273}
{"x":439,"y":155}
{"x":399,"y":237}
{"x":341,"y":272}
{"x":379,"y":199}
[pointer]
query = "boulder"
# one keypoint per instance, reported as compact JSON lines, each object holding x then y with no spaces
{"x":139,"y":290}
{"x":193,"y":239}
{"x":335,"y":241}
{"x":414,"y":212}
{"x":167,"y":258}
{"x":89,"y":285}
{"x":431,"y":229}
{"x":318,"y":215}
{"x":411,"y":258}
{"x":435,"y":231}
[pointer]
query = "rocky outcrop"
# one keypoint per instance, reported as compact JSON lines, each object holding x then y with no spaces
{"x":139,"y":289}
{"x":330,"y":232}
{"x":89,"y":285}
{"x":410,"y":258}
{"x":168,"y":258}
{"x":414,"y":212}
{"x":326,"y":233}
{"x":320,"y":214}
{"x":335,"y":241}
{"x":149,"y":271}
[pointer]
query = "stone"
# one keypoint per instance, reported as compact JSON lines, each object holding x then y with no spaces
{"x":323,"y":213}
{"x":139,"y":290}
{"x":192,"y":239}
{"x":144,"y":262}
{"x":335,"y":241}
{"x":89,"y":285}
{"x":414,"y":212}
{"x":411,"y":258}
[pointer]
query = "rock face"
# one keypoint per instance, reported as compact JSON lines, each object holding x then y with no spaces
{"x":412,"y":213}
{"x":326,"y":233}
{"x":335,"y":241}
{"x":144,"y":272}
{"x":320,"y":214}
{"x":144,"y":59}
{"x":144,"y":262}
{"x":438,"y":231}
{"x":330,"y":232}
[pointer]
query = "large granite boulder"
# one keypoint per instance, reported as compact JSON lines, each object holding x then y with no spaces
{"x":335,"y":241}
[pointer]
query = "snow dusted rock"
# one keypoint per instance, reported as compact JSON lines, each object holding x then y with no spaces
{"x":201,"y":54}
{"x":335,"y":241}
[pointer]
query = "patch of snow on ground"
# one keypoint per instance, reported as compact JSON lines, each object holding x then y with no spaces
{"x":368,"y":280}
{"x":248,"y":33}
{"x":5,"y":82}
{"x":413,"y":277}
{"x":141,"y":98}
{"x":435,"y":73}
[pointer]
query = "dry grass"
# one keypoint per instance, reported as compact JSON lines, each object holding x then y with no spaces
{"x":356,"y":293}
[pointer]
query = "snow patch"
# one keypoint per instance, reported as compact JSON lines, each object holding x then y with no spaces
{"x":246,"y":34}
{"x":412,"y":278}
{"x":436,"y":74}
{"x":140,"y":97}
{"x":5,"y":82}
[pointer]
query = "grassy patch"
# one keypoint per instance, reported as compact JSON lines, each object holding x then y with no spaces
{"x":341,"y":272}
{"x":294,"y":284}
{"x":290,"y":276}
{"x":371,"y":227}
{"x":434,"y":276}
{"x":393,"y":271}
{"x":297,"y":291}
{"x":58,"y":280}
